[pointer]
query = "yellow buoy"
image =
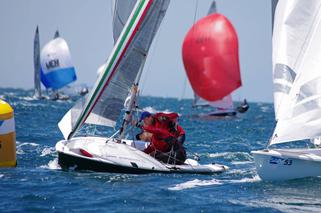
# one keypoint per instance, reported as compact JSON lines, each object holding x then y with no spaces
{"x":7,"y":136}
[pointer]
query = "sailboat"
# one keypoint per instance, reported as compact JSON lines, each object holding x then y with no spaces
{"x":297,"y":78}
{"x":47,"y":69}
{"x":104,"y":104}
{"x":37,"y":66}
{"x":225,"y":105}
{"x":57,"y":70}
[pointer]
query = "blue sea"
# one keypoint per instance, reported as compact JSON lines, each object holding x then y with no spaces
{"x":38,"y":184}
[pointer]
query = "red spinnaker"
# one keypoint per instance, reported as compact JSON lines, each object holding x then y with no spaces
{"x":210,"y":56}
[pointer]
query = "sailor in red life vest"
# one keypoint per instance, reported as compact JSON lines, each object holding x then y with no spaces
{"x":163,"y":145}
{"x":167,"y":137}
{"x":166,"y":121}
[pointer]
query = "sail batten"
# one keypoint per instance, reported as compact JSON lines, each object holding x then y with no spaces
{"x":112,"y":87}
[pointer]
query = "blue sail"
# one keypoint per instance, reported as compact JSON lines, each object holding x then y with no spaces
{"x":57,"y":70}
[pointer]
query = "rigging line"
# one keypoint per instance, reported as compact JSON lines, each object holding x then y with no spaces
{"x":112,"y":9}
{"x":153,"y":50}
{"x":185,"y":77}
{"x":195,"y":12}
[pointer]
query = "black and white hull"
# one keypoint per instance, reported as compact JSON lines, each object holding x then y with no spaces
{"x":94,"y":154}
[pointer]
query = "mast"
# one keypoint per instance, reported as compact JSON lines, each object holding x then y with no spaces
{"x":213,"y":8}
{"x":273,"y":7}
{"x":37,"y":67}
{"x":132,"y":102}
{"x":134,"y":92}
{"x":56,"y":34}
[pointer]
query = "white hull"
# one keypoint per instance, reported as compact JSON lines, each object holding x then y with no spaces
{"x":93,"y":153}
{"x":285,"y":164}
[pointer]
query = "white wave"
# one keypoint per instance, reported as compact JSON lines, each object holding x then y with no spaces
{"x":19,"y":144}
{"x":281,"y":204}
{"x":194,"y":183}
{"x":256,"y":178}
{"x":1,"y":175}
{"x":22,"y":144}
{"x":218,"y":155}
{"x":199,"y":183}
{"x":264,"y":108}
{"x":20,"y":152}
{"x":28,"y":98}
{"x":241,"y":162}
{"x":52,"y":165}
{"x":47,"y":151}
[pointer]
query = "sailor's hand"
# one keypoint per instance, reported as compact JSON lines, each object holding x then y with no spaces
{"x":137,"y":123}
{"x":134,"y":89}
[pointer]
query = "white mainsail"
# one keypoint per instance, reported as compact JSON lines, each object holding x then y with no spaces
{"x":291,"y":35}
{"x":297,"y":65}
{"x":106,"y":99}
{"x":37,"y":66}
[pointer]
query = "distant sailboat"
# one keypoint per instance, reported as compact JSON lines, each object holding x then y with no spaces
{"x":119,"y":77}
{"x":223,"y":106}
{"x":37,"y":66}
{"x":57,"y":70}
{"x":52,"y":73}
{"x":296,"y":66}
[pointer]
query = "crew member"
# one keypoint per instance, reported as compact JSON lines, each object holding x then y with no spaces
{"x":166,"y":121}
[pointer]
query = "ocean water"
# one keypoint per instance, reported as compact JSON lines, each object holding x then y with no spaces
{"x":38,"y":184}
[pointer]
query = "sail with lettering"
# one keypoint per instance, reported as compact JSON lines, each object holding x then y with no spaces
{"x":57,"y":68}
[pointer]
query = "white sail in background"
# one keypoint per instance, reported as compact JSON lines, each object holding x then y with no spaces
{"x":225,"y":103}
{"x":37,"y":66}
{"x":296,"y":58}
{"x":107,"y":97}
{"x":56,"y":65}
{"x":292,"y":30}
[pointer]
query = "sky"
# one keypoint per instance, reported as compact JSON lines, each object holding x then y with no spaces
{"x":87,"y":27}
